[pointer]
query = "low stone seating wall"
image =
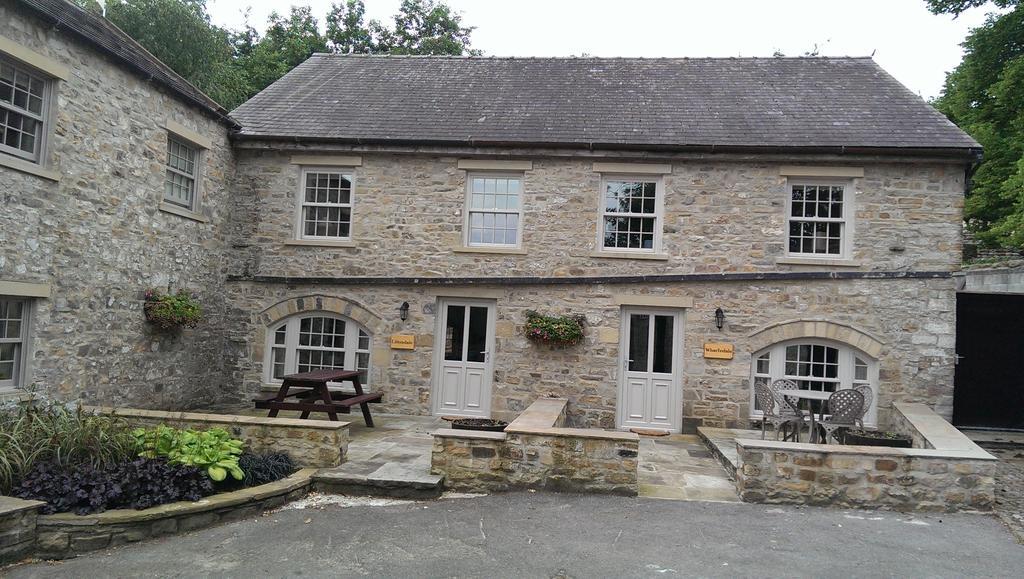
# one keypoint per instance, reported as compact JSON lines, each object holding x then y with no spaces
{"x":948,"y":472}
{"x":314,"y":443}
{"x":537,"y":451}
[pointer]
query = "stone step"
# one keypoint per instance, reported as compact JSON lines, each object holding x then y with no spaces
{"x":402,"y":485}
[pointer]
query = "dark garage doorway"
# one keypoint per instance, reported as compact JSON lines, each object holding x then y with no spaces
{"x":989,"y":385}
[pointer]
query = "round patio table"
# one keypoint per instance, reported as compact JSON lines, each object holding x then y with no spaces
{"x":809,"y":395}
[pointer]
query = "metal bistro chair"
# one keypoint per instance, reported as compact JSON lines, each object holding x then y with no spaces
{"x":869,"y":394}
{"x":773,"y":413}
{"x":789,"y":406}
{"x":845,"y":407}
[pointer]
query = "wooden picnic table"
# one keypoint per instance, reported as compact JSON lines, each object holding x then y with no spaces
{"x":310,"y":388}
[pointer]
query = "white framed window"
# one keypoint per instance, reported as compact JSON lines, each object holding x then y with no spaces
{"x":314,"y":341}
{"x":14,"y":326}
{"x":819,"y":219}
{"x":326,"y":198}
{"x":182,"y":179}
{"x":819,"y":365}
{"x":24,"y":109}
{"x":494,"y":214}
{"x":631,"y":214}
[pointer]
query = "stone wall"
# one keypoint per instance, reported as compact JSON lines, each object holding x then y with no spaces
{"x":310,"y":443}
{"x":535,"y":453}
{"x":913,"y":319}
{"x":950,"y":473}
{"x":98,"y":239}
{"x":18,"y":520}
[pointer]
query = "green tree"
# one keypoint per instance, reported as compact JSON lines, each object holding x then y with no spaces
{"x":180,"y":34}
{"x":984,"y":95}
{"x":423,"y":27}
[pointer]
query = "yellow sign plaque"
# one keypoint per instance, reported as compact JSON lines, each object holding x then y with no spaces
{"x":718,"y":351}
{"x":403,"y":342}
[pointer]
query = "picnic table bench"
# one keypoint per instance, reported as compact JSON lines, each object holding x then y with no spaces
{"x":312,"y":395}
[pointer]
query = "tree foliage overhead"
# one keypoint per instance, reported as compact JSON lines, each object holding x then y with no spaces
{"x":233,"y":65}
{"x":984,"y":95}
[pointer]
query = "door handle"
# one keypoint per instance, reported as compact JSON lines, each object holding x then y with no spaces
{"x":487,"y":356}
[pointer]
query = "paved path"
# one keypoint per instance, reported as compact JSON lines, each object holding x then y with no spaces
{"x":551,"y":535}
{"x":680,"y":467}
{"x":1008,"y":447}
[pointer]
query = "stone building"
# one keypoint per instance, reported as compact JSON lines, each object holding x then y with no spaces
{"x":813,"y":204}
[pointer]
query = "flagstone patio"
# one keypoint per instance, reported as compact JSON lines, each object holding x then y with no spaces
{"x":680,"y":467}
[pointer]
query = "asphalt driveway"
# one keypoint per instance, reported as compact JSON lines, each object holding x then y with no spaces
{"x":552,"y":535}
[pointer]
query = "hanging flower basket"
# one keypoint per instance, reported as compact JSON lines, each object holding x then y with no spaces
{"x":170,"y":311}
{"x":554,"y":330}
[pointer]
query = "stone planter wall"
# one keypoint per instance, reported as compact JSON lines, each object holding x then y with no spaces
{"x":65,"y":535}
{"x":17,"y":528}
{"x":948,"y":472}
{"x":319,"y":443}
{"x":536,"y":452}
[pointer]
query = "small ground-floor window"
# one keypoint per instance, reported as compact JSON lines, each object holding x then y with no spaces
{"x":314,"y":342}
{"x":816,"y":365}
{"x":14,"y":314}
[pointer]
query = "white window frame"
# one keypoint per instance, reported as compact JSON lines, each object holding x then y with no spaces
{"x":300,"y":202}
{"x":291,"y":345}
{"x":847,"y":220}
{"x":196,"y":176}
{"x":44,"y":117}
{"x":24,"y":343}
{"x":466,"y":232}
{"x":658,"y":215}
{"x":846,"y":375}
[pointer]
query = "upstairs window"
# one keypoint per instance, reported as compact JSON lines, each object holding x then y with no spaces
{"x":23,"y":103}
{"x":182,"y":173}
{"x":818,"y":220}
{"x":494,"y":216}
{"x":326,"y":205}
{"x":631,"y":215}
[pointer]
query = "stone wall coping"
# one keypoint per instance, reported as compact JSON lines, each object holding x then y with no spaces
{"x":220,"y":418}
{"x":543,"y":413}
{"x":879,"y":451}
{"x":592,"y":433}
{"x":11,"y":505}
{"x":937,"y":431}
{"x":477,"y":434}
{"x":286,"y":485}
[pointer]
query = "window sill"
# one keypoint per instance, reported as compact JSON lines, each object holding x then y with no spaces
{"x":630,"y":255}
{"x":28,"y":167}
{"x":320,"y":243}
{"x":819,"y":261}
{"x":500,"y":250}
{"x":182,"y":212}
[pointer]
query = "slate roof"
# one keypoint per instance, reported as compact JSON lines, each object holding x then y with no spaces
{"x":724,"y":103}
{"x":103,"y":35}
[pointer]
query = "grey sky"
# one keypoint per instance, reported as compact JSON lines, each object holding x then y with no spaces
{"x":916,"y":47}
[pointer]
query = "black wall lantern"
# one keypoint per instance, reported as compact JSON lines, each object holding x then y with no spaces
{"x":403,"y":311}
{"x":719,"y":318}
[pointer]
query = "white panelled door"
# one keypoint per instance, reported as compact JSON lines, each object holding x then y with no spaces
{"x":650,"y":386}
{"x":463,"y":365}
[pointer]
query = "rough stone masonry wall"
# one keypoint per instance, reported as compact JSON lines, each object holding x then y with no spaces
{"x":310,"y":443}
{"x":914,"y":319}
{"x":98,"y":238}
{"x":722,"y":215}
{"x":569,"y":463}
{"x":17,"y":528}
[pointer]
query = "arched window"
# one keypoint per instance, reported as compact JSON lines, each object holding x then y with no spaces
{"x":312,"y":342}
{"x":815,"y":365}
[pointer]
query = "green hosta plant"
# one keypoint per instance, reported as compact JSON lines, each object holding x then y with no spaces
{"x":172,"y":310}
{"x":213,"y":451}
{"x":558,"y":330}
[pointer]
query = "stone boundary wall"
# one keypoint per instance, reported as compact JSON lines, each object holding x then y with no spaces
{"x":66,"y":535}
{"x":536,"y":451}
{"x":18,"y":520}
{"x":947,"y":473}
{"x":313,"y":443}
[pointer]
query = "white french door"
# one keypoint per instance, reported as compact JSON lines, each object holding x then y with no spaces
{"x":650,"y":384}
{"x":463,"y":365}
